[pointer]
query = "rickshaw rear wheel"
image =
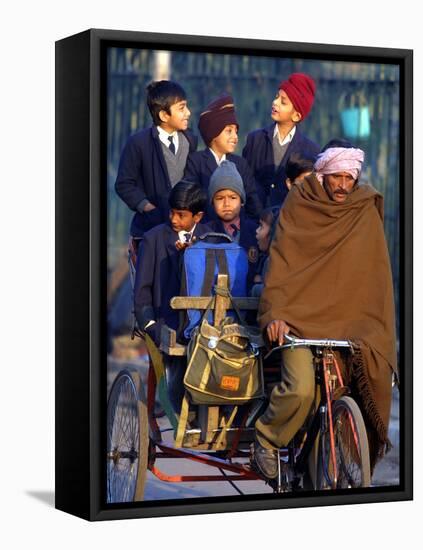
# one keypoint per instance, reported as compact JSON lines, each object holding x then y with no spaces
{"x":127,"y":439}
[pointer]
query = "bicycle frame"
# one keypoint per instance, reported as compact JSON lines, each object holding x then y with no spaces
{"x":323,"y":417}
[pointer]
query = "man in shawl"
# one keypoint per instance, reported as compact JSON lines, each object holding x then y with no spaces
{"x":329,"y":277}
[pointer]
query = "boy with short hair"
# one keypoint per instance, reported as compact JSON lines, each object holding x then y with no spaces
{"x":268,"y":149}
{"x":227,"y":196}
{"x":297,"y":167}
{"x":158,"y":273}
{"x":153,"y":160}
{"x":218,"y":127}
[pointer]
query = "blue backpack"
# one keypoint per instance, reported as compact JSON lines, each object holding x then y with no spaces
{"x":201,"y":263}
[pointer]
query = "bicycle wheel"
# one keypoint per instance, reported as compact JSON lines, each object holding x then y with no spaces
{"x":351,"y":449}
{"x":127,"y":439}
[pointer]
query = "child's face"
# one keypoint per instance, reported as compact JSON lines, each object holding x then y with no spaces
{"x":297,"y":180}
{"x":178,"y":118}
{"x":283,"y":110}
{"x":183,"y":220}
{"x":262,"y":235}
{"x":226,"y":141}
{"x":227,"y":205}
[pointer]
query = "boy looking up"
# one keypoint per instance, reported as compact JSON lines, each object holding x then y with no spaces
{"x":268,"y":149}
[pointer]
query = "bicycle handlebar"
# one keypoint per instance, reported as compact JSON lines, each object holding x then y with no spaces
{"x":293,"y":342}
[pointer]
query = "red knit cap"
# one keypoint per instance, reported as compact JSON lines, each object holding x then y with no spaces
{"x":300,"y":88}
{"x":218,"y":114}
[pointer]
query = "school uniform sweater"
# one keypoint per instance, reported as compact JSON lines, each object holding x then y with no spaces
{"x":259,"y":153}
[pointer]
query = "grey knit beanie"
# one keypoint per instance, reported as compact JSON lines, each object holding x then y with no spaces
{"x":226,"y":176}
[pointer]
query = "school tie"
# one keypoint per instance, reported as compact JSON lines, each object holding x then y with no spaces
{"x":187,"y":237}
{"x":172,"y":145}
{"x":234,"y":230}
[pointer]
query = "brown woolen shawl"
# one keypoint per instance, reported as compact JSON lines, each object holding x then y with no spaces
{"x":330,"y":277}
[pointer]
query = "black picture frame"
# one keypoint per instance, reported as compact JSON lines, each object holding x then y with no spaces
{"x":81,"y":268}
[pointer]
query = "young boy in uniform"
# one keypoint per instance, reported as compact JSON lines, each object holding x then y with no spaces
{"x":268,"y":149}
{"x":218,"y":127}
{"x":153,"y":160}
{"x":227,"y":196}
{"x":158,"y":276}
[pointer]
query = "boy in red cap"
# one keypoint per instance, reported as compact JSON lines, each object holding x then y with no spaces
{"x":268,"y":149}
{"x":218,"y":127}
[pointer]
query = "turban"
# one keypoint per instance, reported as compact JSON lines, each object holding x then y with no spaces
{"x":339,"y":159}
{"x":300,"y":88}
{"x":218,"y":114}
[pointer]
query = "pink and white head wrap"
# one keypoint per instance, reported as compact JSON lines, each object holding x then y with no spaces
{"x":339,"y":159}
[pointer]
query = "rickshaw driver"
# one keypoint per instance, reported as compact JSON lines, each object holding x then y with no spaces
{"x":329,"y":277}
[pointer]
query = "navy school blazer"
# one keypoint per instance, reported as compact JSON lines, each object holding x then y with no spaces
{"x":258,"y":152}
{"x":143,"y":174}
{"x":158,"y":275}
{"x":201,"y":165}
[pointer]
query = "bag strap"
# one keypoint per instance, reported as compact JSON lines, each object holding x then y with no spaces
{"x":222,"y":264}
{"x":226,"y":427}
{"x":183,"y":420}
{"x":209,"y":273}
{"x":227,"y":293}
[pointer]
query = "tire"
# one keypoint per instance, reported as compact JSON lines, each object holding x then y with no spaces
{"x":310,"y":475}
{"x":127,"y":439}
{"x":351,"y":449}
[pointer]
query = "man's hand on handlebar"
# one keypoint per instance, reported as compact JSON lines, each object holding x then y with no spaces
{"x":276,"y":330}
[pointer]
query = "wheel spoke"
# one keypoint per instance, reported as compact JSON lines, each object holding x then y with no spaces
{"x":351,"y":448}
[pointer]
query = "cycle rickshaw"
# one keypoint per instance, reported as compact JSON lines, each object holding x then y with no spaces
{"x":330,"y":452}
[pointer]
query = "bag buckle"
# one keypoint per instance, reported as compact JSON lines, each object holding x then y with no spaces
{"x":255,"y":349}
{"x":212,"y":343}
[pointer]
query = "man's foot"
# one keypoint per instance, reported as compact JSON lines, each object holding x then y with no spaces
{"x":265,"y":461}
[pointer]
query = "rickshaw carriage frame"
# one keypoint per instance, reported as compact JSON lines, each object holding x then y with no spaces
{"x":204,"y":444}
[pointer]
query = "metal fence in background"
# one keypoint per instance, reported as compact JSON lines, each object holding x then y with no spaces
{"x":364,"y":90}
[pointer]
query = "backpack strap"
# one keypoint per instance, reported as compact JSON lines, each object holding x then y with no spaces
{"x":222,"y":264}
{"x":208,"y":280}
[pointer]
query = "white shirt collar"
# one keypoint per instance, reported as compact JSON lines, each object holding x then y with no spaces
{"x":181,"y":234}
{"x":164,"y":137}
{"x":287,"y":138}
{"x":219,"y":161}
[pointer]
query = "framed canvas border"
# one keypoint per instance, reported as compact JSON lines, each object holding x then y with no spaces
{"x":81,"y":267}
